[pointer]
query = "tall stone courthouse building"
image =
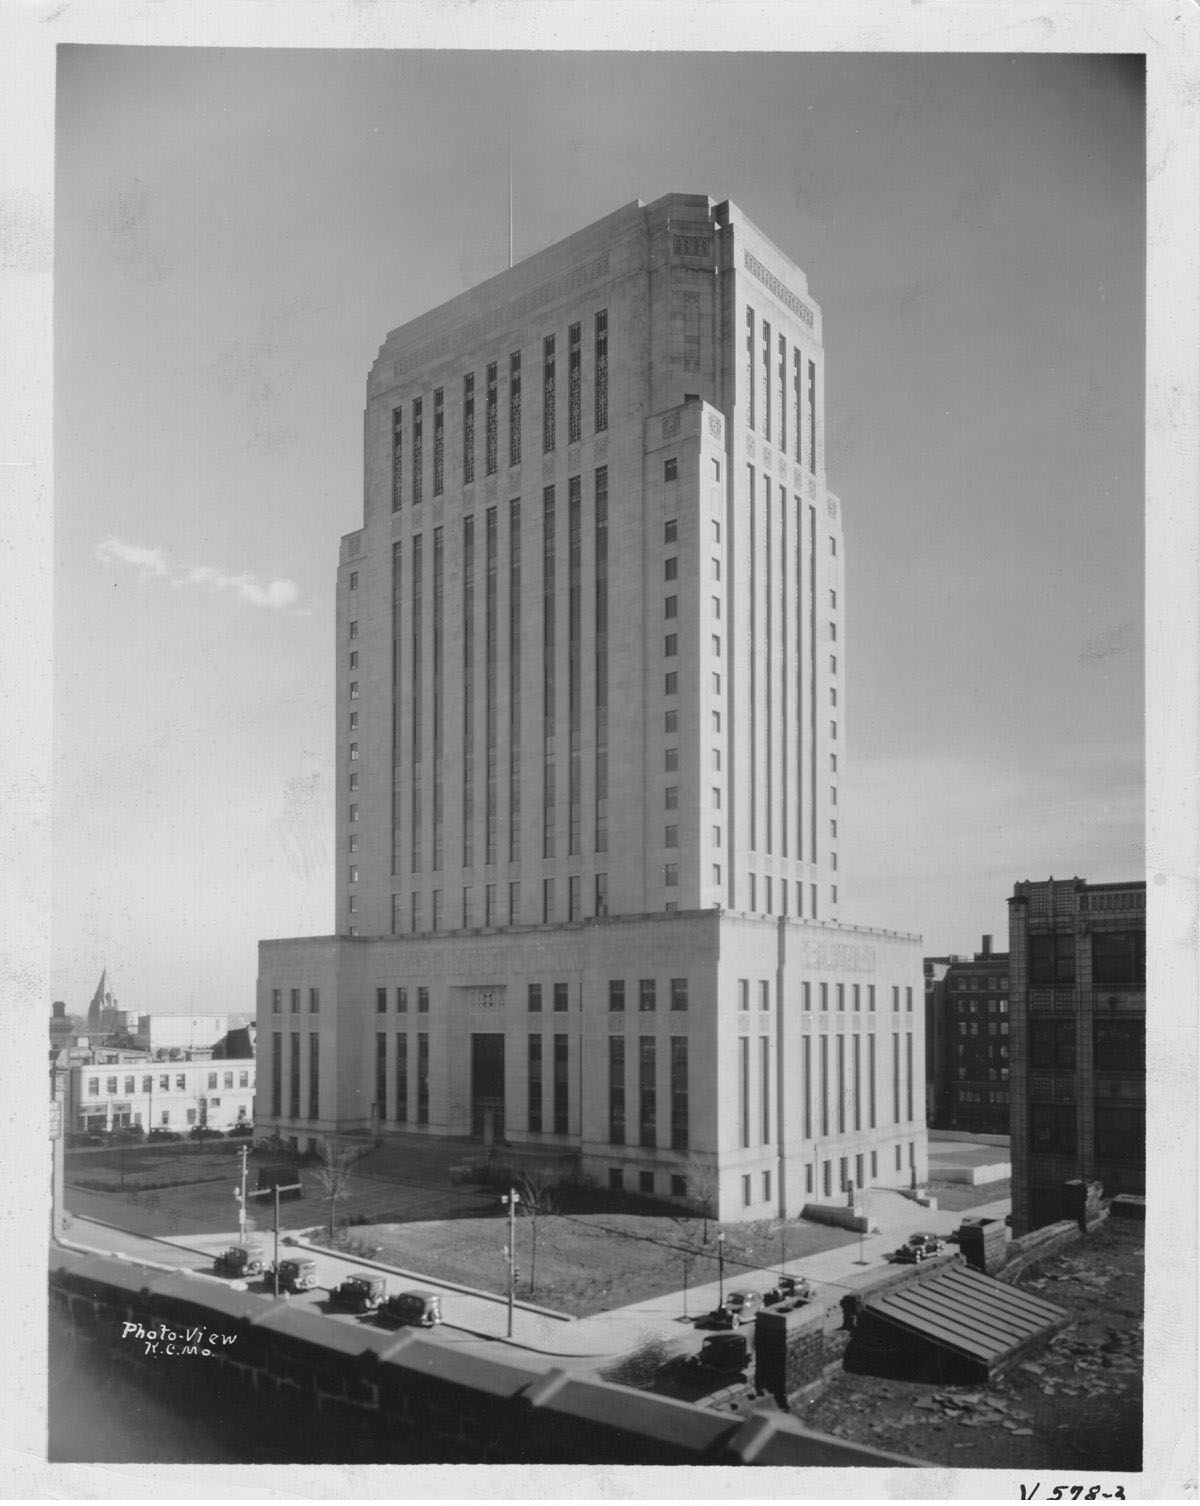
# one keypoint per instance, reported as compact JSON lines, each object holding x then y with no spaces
{"x":590,"y":730}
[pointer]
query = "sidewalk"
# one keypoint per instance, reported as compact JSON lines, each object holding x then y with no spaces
{"x":604,"y":1336}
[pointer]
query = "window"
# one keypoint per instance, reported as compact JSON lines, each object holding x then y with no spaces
{"x":422,"y":1001}
{"x":353,"y":841}
{"x":616,"y":1091}
{"x":1119,"y":959}
{"x":671,"y":722}
{"x":574,"y":383}
{"x":671,"y":645}
{"x":670,"y":534}
{"x":716,"y":759}
{"x":647,"y":1092}
{"x":535,"y":997}
{"x":381,"y":1001}
{"x":645,"y":994}
{"x":764,"y":994}
{"x":276,"y":1000}
{"x":1052,"y":959}
{"x":679,"y":993}
{"x":616,"y":995}
{"x":671,"y":875}
{"x":671,"y":683}
{"x":548,"y":394}
{"x":671,"y":568}
{"x":1052,"y":1043}
{"x":535,"y":1084}
{"x":353,"y":756}
{"x":601,"y":377}
{"x":353,"y":874}
{"x":716,"y":873}
{"x":180,"y":1083}
{"x":354,"y":778}
{"x":716,"y":606}
{"x":671,"y":609}
{"x":716,"y":569}
{"x":671,"y":836}
{"x":746,"y":1193}
{"x":402,"y":1001}
{"x":295,"y":1000}
{"x":561,"y":998}
{"x":716,"y":646}
{"x":841,"y":996}
{"x":671,"y":797}
{"x":716,"y":836}
{"x":671,"y":759}
{"x":671,"y":469}
{"x":743,"y":993}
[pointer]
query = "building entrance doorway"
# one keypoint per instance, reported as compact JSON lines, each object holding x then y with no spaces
{"x":487,"y":1088}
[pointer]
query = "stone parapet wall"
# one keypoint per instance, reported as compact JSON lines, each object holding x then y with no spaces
{"x":328,"y":1392}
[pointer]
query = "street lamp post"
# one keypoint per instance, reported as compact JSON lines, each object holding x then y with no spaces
{"x":721,"y":1268}
{"x":512,"y":1199}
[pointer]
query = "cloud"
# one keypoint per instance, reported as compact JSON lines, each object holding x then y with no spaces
{"x":151,"y":564}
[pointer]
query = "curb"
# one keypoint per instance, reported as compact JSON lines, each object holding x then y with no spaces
{"x":454,"y":1286}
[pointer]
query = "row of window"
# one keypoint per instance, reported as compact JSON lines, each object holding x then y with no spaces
{"x":975,"y":985}
{"x":501,"y":905}
{"x":191,"y":1117}
{"x":981,"y":1006}
{"x":294,"y":998}
{"x":767,"y":398}
{"x":623,"y":1116}
{"x":164,"y":1083}
{"x":860,"y":1168}
{"x":846,"y":1079}
{"x":412,"y":471}
{"x":1117,"y":1045}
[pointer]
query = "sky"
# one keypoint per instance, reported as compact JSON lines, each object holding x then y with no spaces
{"x":238,"y":229}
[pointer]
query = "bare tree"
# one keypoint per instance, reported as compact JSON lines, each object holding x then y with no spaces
{"x":536,"y":1187}
{"x":335,"y":1158}
{"x":703,"y":1185}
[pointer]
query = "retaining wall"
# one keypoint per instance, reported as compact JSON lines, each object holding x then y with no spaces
{"x":329,"y":1392}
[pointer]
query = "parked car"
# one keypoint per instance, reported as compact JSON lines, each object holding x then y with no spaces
{"x":789,"y":1289}
{"x":84,"y":1137}
{"x":361,"y":1294}
{"x":242,"y":1127}
{"x":723,"y":1353}
{"x":411,"y":1309}
{"x":738,"y":1308}
{"x":297,"y":1274}
{"x":202,"y":1132}
{"x":919,"y":1247}
{"x":164,"y":1134}
{"x":242,"y":1260}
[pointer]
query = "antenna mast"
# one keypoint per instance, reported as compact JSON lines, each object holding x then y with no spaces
{"x":510,"y":202}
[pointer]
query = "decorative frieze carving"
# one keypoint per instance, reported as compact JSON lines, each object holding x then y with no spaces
{"x":692,"y":245}
{"x":670,"y":425}
{"x":773,"y":284}
{"x":716,"y":426}
{"x":836,"y":956}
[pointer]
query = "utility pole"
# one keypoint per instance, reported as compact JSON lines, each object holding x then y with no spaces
{"x":241,"y":1196}
{"x":273,"y":1192}
{"x":513,"y":1198}
{"x":721,"y":1268}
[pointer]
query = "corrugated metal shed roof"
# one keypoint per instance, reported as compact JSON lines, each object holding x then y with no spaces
{"x":965,"y":1311}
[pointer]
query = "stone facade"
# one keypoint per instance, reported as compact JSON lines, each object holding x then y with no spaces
{"x":1077,"y":962}
{"x":967,"y":1041}
{"x":590,"y":710}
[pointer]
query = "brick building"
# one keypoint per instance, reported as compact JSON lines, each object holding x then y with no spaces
{"x":590,"y":711}
{"x":1077,"y":965}
{"x":967,"y":1041}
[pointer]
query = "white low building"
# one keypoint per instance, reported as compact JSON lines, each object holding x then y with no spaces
{"x":214,"y":1094}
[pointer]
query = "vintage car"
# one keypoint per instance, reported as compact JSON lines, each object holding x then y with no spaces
{"x":297,"y":1274}
{"x":737,"y":1308}
{"x":789,"y":1289}
{"x":919,"y":1247}
{"x":242,"y":1260}
{"x":723,"y":1353}
{"x":361,"y":1294}
{"x":411,"y":1309}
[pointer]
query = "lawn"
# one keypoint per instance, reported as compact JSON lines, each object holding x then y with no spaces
{"x":954,"y":1197}
{"x":159,"y":1164}
{"x":587,"y":1261}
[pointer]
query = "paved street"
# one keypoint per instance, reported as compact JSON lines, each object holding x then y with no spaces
{"x":478,"y":1321}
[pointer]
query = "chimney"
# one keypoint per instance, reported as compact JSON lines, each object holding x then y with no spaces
{"x":987,"y":946}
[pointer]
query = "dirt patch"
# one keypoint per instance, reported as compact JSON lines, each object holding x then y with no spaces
{"x":1075,"y":1404}
{"x":588,"y":1262}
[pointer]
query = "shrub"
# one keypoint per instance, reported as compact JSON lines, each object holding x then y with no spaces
{"x":640,"y":1366}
